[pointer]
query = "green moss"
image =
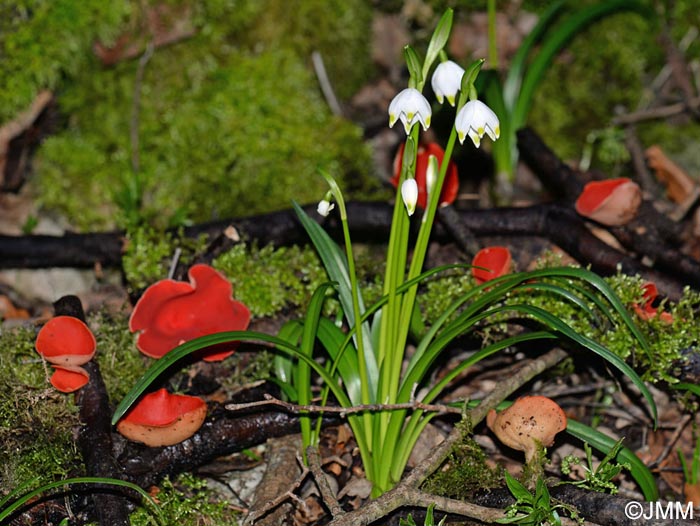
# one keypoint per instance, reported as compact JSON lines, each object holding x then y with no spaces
{"x":465,"y":471}
{"x":150,"y":252}
{"x":121,"y":363}
{"x":666,"y":340}
{"x":187,"y":502}
{"x":268,"y":280}
{"x":41,"y":41}
{"x":223,"y":131}
{"x":573,"y":100}
{"x":338,"y":29}
{"x":36,"y":422}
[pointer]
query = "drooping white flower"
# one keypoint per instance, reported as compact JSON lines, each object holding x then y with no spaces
{"x":409,"y":193}
{"x":476,"y":119}
{"x":446,"y":81}
{"x":324,"y":207}
{"x":410,"y":106}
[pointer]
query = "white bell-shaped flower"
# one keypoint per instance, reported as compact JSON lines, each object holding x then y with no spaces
{"x":409,"y":194}
{"x":447,"y":80}
{"x":410,"y":106}
{"x":324,"y":207}
{"x":476,"y":119}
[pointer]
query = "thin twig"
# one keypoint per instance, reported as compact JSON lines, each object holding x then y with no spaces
{"x":136,"y":107}
{"x":342,"y":411}
{"x":322,"y":482}
{"x":325,"y":83}
{"x":404,"y":493}
{"x":287,"y":495}
{"x":672,"y":441}
{"x":660,"y":112}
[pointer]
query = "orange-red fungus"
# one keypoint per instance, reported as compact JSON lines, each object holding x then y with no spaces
{"x":649,"y":308}
{"x":163,"y":419}
{"x":613,"y":202}
{"x":67,"y":343}
{"x":496,"y":262}
{"x":450,"y":187}
{"x":172,"y":312}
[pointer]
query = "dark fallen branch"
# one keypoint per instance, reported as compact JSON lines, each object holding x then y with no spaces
{"x":600,"y":508}
{"x":651,"y":234}
{"x":369,"y":222}
{"x":222,"y":434}
{"x":95,"y":434}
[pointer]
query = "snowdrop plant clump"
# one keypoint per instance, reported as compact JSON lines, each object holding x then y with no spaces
{"x":364,"y":362}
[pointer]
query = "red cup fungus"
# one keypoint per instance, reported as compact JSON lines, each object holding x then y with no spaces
{"x":528,"y":424}
{"x":172,"y":312}
{"x":66,"y":343}
{"x":163,"y":419}
{"x":647,"y":310}
{"x":497,"y":260}
{"x":450,"y":187}
{"x":613,"y":202}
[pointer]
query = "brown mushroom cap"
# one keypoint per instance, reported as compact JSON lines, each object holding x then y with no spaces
{"x":530,"y":421}
{"x":163,"y":419}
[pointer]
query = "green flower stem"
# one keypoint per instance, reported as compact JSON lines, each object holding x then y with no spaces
{"x":421,"y":248}
{"x":362,"y":363}
{"x":493,"y":48}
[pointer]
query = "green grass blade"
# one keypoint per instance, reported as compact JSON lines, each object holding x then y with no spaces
{"x":308,"y":340}
{"x":344,"y":358}
{"x":683,"y":386}
{"x":555,"y":42}
{"x":412,"y":429}
{"x":554,"y":323}
{"x":335,"y":264}
{"x":283,"y":365}
{"x":514,"y":78}
{"x":187,"y":348}
{"x":21,"y":501}
{"x":603,"y":443}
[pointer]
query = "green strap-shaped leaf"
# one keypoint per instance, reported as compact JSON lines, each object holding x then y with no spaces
{"x":336,"y":266}
{"x":6,"y":512}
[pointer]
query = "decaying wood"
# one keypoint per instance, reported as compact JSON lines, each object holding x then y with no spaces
{"x":95,"y":437}
{"x":11,"y":131}
{"x":370,"y":222}
{"x":281,"y":477}
{"x":222,"y":434}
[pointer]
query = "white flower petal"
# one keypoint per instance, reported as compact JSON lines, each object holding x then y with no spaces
{"x":324,"y":208}
{"x":476,"y":119}
{"x":447,"y":80}
{"x":410,"y":106}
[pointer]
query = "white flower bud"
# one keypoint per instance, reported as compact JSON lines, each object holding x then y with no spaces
{"x":409,"y":193}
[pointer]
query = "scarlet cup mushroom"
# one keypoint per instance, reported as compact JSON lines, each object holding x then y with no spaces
{"x":449,"y":188}
{"x":647,"y":310}
{"x":528,"y":424}
{"x":496,"y":262}
{"x":172,"y":312}
{"x":163,"y":419}
{"x":66,"y":343}
{"x":613,"y":202}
